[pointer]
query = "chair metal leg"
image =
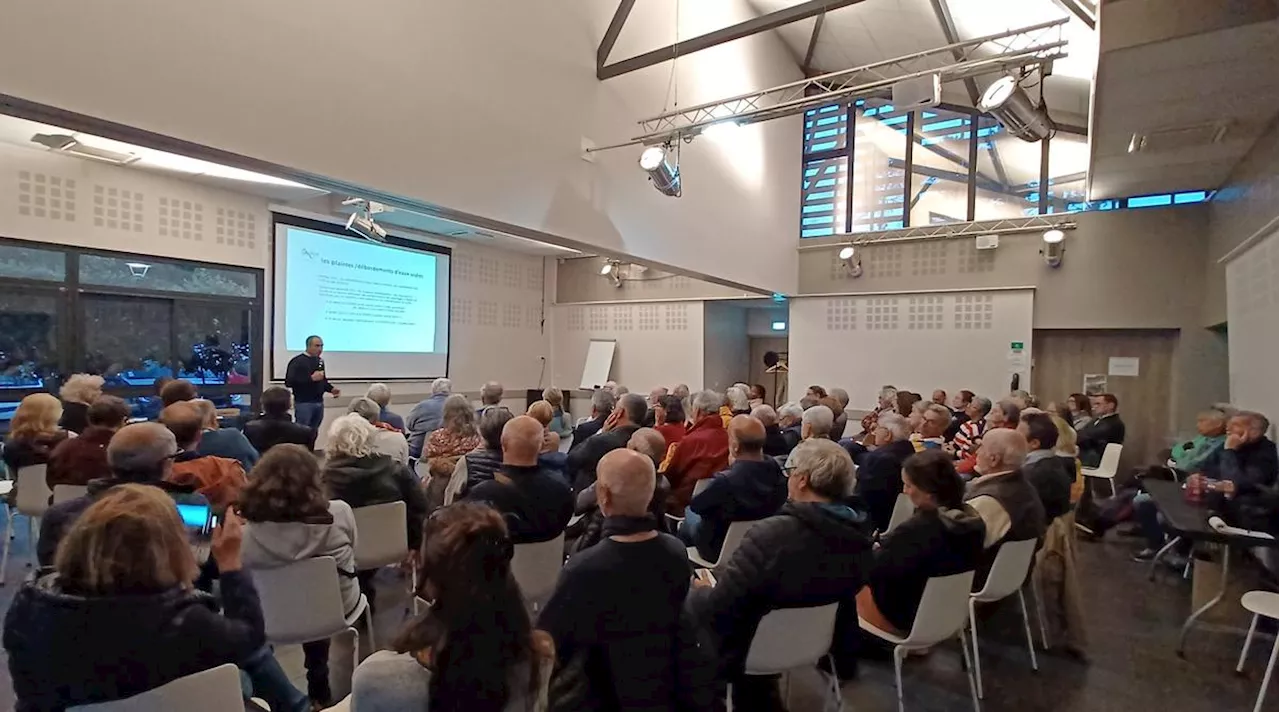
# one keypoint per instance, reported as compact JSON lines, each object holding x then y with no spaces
{"x":1155,"y":560}
{"x":1026,"y":625}
{"x":898,"y":653}
{"x":1248,"y":638}
{"x":835,"y":685}
{"x":1266,"y":677}
{"x":977,"y":662}
{"x":974,"y":680}
{"x":1112,"y":480}
{"x":1035,"y":594}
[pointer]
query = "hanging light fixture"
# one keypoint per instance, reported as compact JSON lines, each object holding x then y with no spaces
{"x":613,"y":271}
{"x":662,"y":172}
{"x":1006,"y":100}
{"x":1053,"y":247}
{"x":850,"y":260}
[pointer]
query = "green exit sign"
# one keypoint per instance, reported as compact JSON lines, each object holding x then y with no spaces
{"x":1015,"y":345}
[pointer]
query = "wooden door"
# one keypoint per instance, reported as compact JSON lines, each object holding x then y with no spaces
{"x":1062,"y":357}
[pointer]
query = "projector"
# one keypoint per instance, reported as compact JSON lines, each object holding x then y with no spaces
{"x":365,"y":227}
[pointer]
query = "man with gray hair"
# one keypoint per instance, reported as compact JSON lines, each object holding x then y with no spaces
{"x":490,"y":394}
{"x":380,"y":393}
{"x":1002,"y":496}
{"x":880,"y":467}
{"x":427,"y":415}
{"x":602,"y":405}
{"x":702,"y":452}
{"x":223,"y":442}
{"x":386,"y":441}
{"x":841,"y":421}
{"x":812,"y":553}
{"x":739,"y":400}
{"x":775,"y":443}
{"x":622,"y":423}
{"x":790,"y":417}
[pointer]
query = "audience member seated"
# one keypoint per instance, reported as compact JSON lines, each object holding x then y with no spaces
{"x":456,"y":436}
{"x":1081,"y":410}
{"x":815,"y":393}
{"x":775,"y":443}
{"x":959,"y":413}
{"x":542,"y":412}
{"x":275,"y":425}
{"x":790,"y":422}
{"x":1241,"y":478}
{"x":932,"y":429}
{"x":380,"y":393}
{"x":481,"y":464}
{"x":943,"y":537}
{"x":739,"y":401}
{"x":356,"y":474}
{"x":534,"y":500}
{"x":622,"y":423}
{"x":78,"y":393}
{"x":916,"y":417}
{"x":886,"y":401}
{"x":833,"y":405}
{"x":223,"y":442}
{"x":561,"y":424}
{"x":1002,"y":415}
{"x":616,"y":612}
{"x":490,"y":395}
{"x":1211,"y":435}
{"x":815,"y":423}
{"x":426,"y":416}
{"x":385,"y":440}
{"x":602,"y":406}
{"x":702,"y":453}
{"x":76,"y":461}
{"x":1009,"y":506}
{"x":1043,"y":468}
{"x":474,"y":648}
{"x":1105,"y":428}
{"x":838,"y":405}
{"x":880,"y":469}
{"x":669,"y":419}
{"x":219,"y":479}
{"x":118,"y":615}
{"x":290,"y":518}
{"x":33,"y":432}
{"x":656,"y":395}
{"x":906,"y":399}
{"x":589,"y":529}
{"x":178,"y":391}
{"x":756,"y":395}
{"x":752,"y":488}
{"x":812,"y":553}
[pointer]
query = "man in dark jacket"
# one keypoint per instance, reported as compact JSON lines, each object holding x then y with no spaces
{"x":1046,"y":472}
{"x":356,"y":474}
{"x":534,"y":501}
{"x":1106,"y":428}
{"x":306,"y":377}
{"x":880,"y":470}
{"x":427,"y":415}
{"x":275,"y":426}
{"x":775,"y":443}
{"x":602,"y":406}
{"x":615,"y":615}
{"x":790,"y":422}
{"x":622,"y":423}
{"x":752,"y":488}
{"x":812,"y":553}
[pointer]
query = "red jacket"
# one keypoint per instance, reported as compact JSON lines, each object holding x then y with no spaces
{"x":671,"y":432}
{"x":702,"y":453}
{"x":75,"y":461}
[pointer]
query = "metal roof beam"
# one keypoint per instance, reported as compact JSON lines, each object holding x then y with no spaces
{"x":813,"y":44}
{"x":615,"y":28}
{"x":948,"y":25}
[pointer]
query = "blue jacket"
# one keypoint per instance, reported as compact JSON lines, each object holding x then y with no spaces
{"x":748,"y":490}
{"x":391,"y":419}
{"x":424,"y":418}
{"x":230,"y":443}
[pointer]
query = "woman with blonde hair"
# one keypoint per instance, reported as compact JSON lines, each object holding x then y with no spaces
{"x":561,"y":424}
{"x":543,"y":412}
{"x":33,"y":432}
{"x":78,"y":393}
{"x":119,"y":615}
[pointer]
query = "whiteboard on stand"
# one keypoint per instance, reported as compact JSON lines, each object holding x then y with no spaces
{"x":595,"y":372}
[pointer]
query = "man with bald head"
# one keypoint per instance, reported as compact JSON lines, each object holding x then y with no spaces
{"x":1002,"y":496}
{"x":141,"y":453}
{"x":753,"y":487}
{"x":618,"y":604}
{"x":534,"y":500}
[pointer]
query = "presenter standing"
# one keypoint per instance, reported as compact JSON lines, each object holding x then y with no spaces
{"x":306,"y":378}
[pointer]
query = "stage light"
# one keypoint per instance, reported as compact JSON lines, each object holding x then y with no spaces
{"x":1055,"y":235}
{"x":850,"y":260}
{"x":612,"y":269}
{"x":1014,"y":109}
{"x":664,"y":175}
{"x":846,"y":252}
{"x":1054,"y":247}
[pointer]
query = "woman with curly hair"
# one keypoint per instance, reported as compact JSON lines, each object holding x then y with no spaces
{"x":291,"y":518}
{"x":456,"y":436}
{"x":78,"y":393}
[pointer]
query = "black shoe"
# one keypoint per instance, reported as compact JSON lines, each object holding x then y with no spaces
{"x":1145,"y":555}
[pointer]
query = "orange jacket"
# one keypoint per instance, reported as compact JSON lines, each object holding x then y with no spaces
{"x":219,"y":479}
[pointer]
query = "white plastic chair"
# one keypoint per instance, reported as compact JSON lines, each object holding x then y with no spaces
{"x":302,"y":602}
{"x":902,"y":511}
{"x":382,"y":538}
{"x":537,"y":568}
{"x":66,"y":493}
{"x":732,"y":540}
{"x":213,"y":690}
{"x":789,"y":638}
{"x":1008,"y":572}
{"x":33,"y":501}
{"x":942,"y":612}
{"x":1260,"y":603}
{"x":1109,"y":466}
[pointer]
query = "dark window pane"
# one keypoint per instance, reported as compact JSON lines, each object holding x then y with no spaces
{"x":826,"y":129}
{"x":1008,"y":173}
{"x":823,"y":193}
{"x":148,"y":407}
{"x":31,"y":263}
{"x":940,"y":167}
{"x":213,"y":343}
{"x":144,"y":273}
{"x":879,"y":147}
{"x":28,"y":338}
{"x":127,"y":339}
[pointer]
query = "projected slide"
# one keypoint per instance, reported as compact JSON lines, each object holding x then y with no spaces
{"x":382,"y":310}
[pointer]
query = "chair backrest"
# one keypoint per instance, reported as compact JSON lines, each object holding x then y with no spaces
{"x":213,"y":690}
{"x":382,"y":536}
{"x":301,"y":602}
{"x":1111,"y":458}
{"x":790,"y":638}
{"x":733,"y":538}
{"x":33,"y":490}
{"x":700,"y":486}
{"x":64,"y":493}
{"x":537,"y":567}
{"x":902,"y":511}
{"x":944,"y":608}
{"x":1008,"y":571}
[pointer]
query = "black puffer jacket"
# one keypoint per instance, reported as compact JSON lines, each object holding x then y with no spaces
{"x":377,"y":479}
{"x":807,"y":555}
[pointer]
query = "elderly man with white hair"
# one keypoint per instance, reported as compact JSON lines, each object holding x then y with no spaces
{"x":880,"y":466}
{"x":775,"y":443}
{"x":815,"y":423}
{"x":380,"y":393}
{"x":490,"y":395}
{"x":385,"y":442}
{"x":812,"y":553}
{"x":739,"y":400}
{"x":790,"y":417}
{"x":1002,"y":496}
{"x":427,"y":415}
{"x":701,"y":453}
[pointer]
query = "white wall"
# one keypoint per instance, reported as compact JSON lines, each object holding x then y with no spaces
{"x":480,"y":106}
{"x":1252,"y":317}
{"x":919,"y":342}
{"x":726,"y":352}
{"x":760,"y":321}
{"x":659,"y":343}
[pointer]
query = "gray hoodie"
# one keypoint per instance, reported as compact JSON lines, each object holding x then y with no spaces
{"x":269,"y":545}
